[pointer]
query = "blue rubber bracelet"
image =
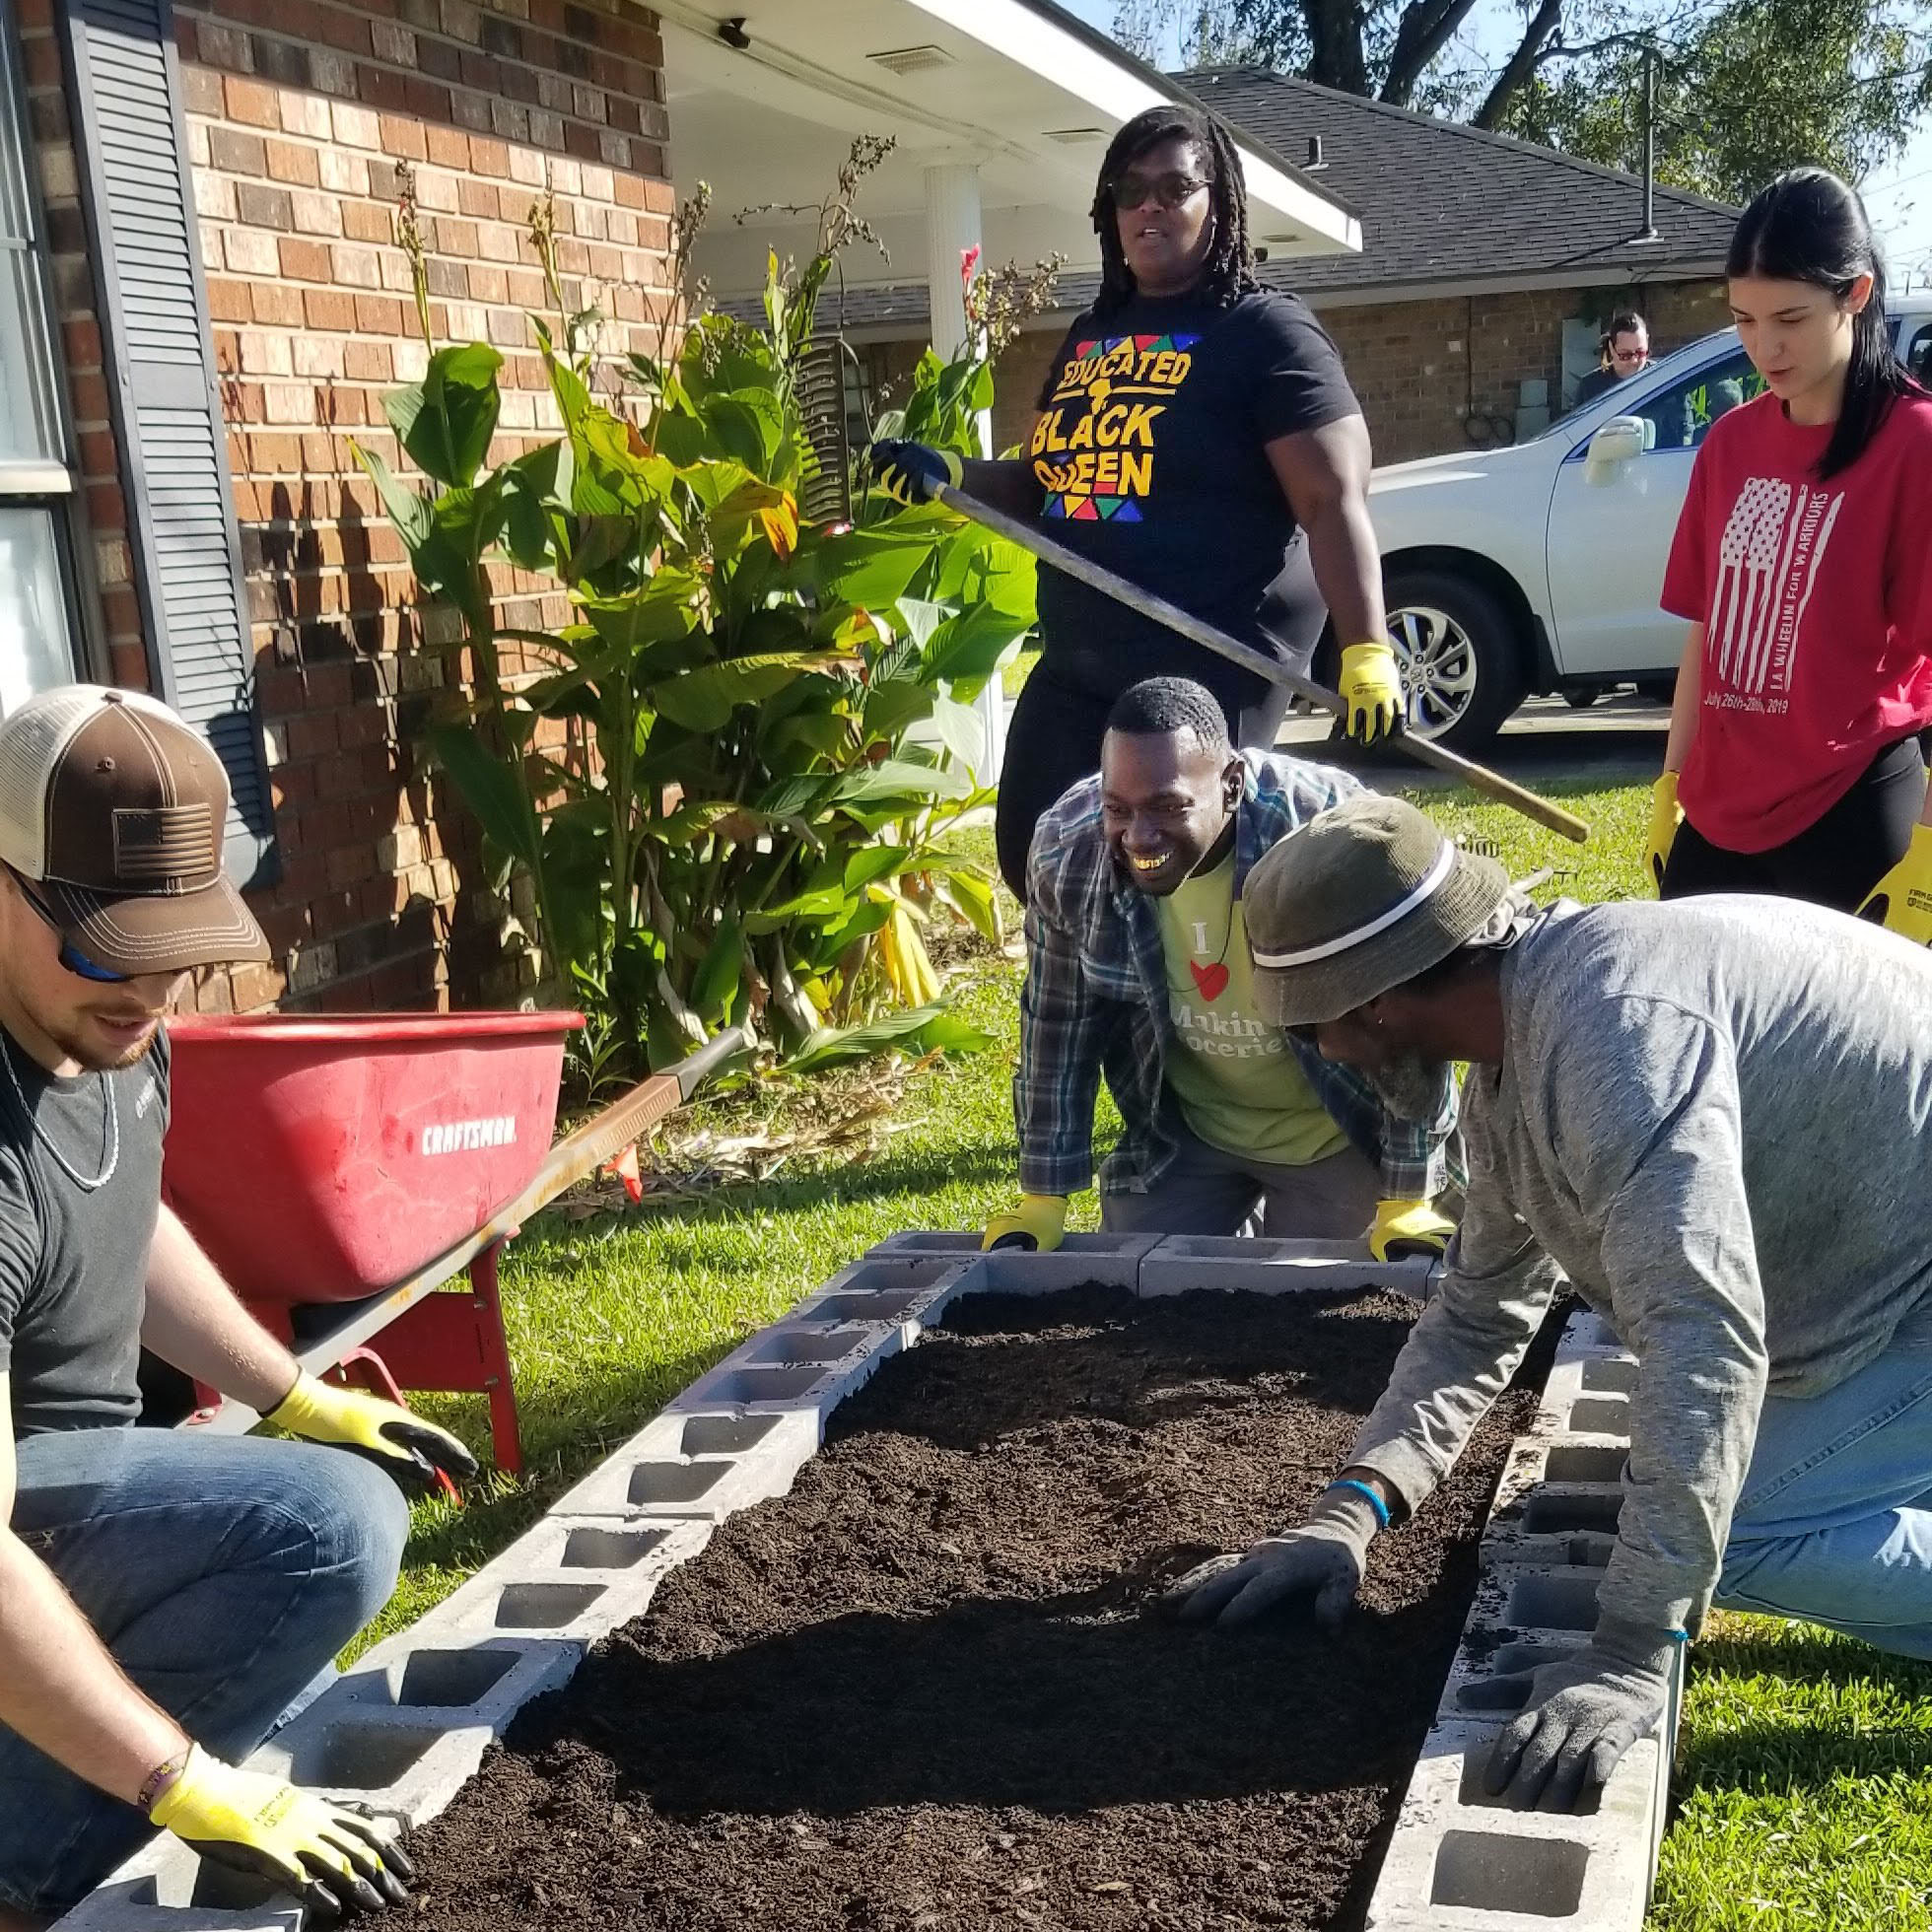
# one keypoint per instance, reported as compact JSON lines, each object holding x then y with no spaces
{"x":1361,"y":1488}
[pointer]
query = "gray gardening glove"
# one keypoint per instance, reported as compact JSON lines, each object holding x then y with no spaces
{"x":1581,"y":1715}
{"x":1324,"y":1558}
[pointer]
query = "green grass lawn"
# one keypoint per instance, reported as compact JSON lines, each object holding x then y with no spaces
{"x":1804,"y":1786}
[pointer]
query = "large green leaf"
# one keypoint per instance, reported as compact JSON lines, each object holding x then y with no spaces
{"x":703,"y":700}
{"x":490,"y":790}
{"x":893,"y":778}
{"x":873,"y":568}
{"x":971,"y":643}
{"x":749,"y":425}
{"x":963,"y":732}
{"x":715,"y":983}
{"x":922,"y":1030}
{"x":407,"y":508}
{"x":446,"y":421}
{"x":665,"y":608}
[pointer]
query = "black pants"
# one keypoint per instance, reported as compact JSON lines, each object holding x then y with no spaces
{"x":1834,"y":862}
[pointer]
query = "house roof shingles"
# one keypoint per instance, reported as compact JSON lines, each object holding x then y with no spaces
{"x":1440,"y":203}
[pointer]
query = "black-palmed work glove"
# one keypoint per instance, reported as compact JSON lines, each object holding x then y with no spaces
{"x":909,"y":472}
{"x":328,"y":1855}
{"x":1581,"y":1715}
{"x":413,"y":1451}
{"x":1323,"y":1559}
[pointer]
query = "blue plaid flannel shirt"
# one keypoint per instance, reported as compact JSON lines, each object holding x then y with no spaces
{"x":1096,"y":1000}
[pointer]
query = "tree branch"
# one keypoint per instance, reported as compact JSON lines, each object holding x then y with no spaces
{"x":1521,"y":65}
{"x":1335,"y":39}
{"x":1423,"y":32}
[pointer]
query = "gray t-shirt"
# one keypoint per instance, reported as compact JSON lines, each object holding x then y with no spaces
{"x":74,"y":1262}
{"x":1712,"y":1116}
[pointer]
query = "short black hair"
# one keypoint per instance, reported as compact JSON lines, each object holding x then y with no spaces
{"x":1157,"y":706}
{"x":1229,"y":271}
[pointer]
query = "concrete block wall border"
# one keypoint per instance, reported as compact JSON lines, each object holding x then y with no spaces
{"x":1457,"y":1861}
{"x":407,"y":1727}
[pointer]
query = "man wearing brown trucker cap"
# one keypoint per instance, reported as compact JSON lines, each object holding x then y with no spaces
{"x":1710,"y":1118}
{"x":166,"y":1598}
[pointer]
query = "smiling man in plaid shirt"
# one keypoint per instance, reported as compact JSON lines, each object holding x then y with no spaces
{"x":1138,"y":967}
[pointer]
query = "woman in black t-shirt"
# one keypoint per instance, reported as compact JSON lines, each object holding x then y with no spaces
{"x":1195,"y":435}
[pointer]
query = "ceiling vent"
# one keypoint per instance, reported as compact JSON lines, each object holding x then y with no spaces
{"x":1072,"y":136}
{"x":913,"y":60}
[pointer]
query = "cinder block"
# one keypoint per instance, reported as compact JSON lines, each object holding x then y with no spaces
{"x":160,"y":1898}
{"x":1589,"y":1393}
{"x":706,"y":1466}
{"x":569,"y":1580}
{"x":1185,"y":1262}
{"x":911,"y":1294}
{"x":1462,"y":1860}
{"x":790,"y":1367}
{"x":1107,"y":1261}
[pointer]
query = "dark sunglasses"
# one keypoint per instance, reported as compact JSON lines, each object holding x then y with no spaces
{"x":1131,"y":192}
{"x":71,"y":957}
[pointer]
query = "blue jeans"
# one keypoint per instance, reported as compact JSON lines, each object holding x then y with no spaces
{"x":1833,"y":1523}
{"x":224,"y":1573}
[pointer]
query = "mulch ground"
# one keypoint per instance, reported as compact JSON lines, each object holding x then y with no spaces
{"x":926,"y":1689}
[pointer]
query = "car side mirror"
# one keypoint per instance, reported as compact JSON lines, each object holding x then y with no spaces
{"x":1618,"y":441}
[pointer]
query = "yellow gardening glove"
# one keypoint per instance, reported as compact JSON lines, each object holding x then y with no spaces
{"x":1035,"y":1226}
{"x":1408,"y":1227}
{"x":1666,"y":816}
{"x":1372,"y":685}
{"x":413,"y":1451}
{"x":909,"y":472}
{"x":1903,"y":898}
{"x":328,"y":1855}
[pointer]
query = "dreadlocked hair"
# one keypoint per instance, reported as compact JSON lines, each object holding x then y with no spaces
{"x":1229,"y":272}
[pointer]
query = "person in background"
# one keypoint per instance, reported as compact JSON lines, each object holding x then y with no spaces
{"x":1138,"y":967}
{"x":1709,"y":1119}
{"x":1803,"y":565}
{"x":165,"y":1595}
{"x":1198,"y":437}
{"x":1622,"y":351}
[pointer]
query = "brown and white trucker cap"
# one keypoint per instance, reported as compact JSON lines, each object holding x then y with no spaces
{"x":115,"y":807}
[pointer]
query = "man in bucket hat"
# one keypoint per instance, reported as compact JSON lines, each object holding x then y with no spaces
{"x":165,"y":1597}
{"x":1711,"y":1116}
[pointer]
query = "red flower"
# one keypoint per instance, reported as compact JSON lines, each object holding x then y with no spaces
{"x":969,"y":262}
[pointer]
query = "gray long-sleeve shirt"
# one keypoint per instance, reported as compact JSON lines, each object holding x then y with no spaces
{"x":1712,"y":1114}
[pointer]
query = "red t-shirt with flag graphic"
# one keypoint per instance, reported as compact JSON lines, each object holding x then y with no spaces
{"x":1151,"y":452}
{"x":1815,"y":599}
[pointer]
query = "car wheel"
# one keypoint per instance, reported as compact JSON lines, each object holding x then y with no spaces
{"x":1462,"y":668}
{"x":1580,"y":697}
{"x":1659,"y":690}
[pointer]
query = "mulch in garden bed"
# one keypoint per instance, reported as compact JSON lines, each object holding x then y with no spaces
{"x":926,"y":1688}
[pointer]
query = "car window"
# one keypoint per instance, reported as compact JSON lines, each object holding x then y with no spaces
{"x":1918,"y":357}
{"x":1679,"y":416}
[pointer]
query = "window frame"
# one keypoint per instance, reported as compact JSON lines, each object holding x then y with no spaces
{"x":50,"y":485}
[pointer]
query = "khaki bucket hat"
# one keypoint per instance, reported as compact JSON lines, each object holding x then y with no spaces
{"x":1360,"y":900}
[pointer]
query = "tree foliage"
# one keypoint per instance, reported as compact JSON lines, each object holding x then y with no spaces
{"x":1745,"y":88}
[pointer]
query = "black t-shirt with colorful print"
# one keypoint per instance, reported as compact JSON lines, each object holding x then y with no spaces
{"x":1150,"y":449}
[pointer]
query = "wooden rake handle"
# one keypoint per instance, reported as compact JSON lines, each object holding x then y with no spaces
{"x":1478,"y":778}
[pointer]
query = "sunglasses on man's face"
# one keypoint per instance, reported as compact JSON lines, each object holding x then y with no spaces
{"x":1168,"y":192}
{"x":71,"y":957}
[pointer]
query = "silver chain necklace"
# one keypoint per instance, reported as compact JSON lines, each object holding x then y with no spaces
{"x":110,"y":1134}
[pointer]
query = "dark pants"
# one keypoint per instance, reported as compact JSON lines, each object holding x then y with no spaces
{"x":224,"y":1573}
{"x":1834,"y":862}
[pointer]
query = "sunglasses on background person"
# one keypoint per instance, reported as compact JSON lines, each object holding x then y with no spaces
{"x":71,"y":957}
{"x":1130,"y":191}
{"x":1636,"y":356}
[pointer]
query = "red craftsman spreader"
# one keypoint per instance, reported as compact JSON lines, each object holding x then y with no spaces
{"x":343,"y":1173}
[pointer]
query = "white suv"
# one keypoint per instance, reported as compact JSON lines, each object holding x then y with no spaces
{"x":1537,"y":566}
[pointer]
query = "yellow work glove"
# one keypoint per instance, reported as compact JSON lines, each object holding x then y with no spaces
{"x":1036,"y":1224}
{"x":1666,"y":816}
{"x":1902,"y":900}
{"x":1402,"y":1228}
{"x":410,"y":1449}
{"x":908,"y":472}
{"x":328,"y":1855}
{"x":1372,"y":685}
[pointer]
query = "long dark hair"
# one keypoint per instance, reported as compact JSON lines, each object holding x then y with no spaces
{"x":1808,"y":225}
{"x":1229,"y":272}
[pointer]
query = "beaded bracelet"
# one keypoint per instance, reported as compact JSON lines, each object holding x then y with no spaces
{"x":158,"y":1780}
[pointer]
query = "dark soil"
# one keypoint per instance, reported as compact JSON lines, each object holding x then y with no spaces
{"x":924,"y":1690}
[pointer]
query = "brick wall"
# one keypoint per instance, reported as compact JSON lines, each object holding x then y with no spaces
{"x":1423,"y":368}
{"x":305,"y":119}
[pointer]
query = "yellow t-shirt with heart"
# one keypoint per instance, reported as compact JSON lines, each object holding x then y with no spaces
{"x":1238,"y":1085}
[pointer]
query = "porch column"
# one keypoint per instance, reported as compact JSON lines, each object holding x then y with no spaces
{"x":952,"y":226}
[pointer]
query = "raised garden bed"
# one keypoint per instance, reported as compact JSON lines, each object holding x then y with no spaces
{"x":924,"y":1689}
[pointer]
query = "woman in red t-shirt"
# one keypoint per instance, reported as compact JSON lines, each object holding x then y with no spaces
{"x":1803,"y":560}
